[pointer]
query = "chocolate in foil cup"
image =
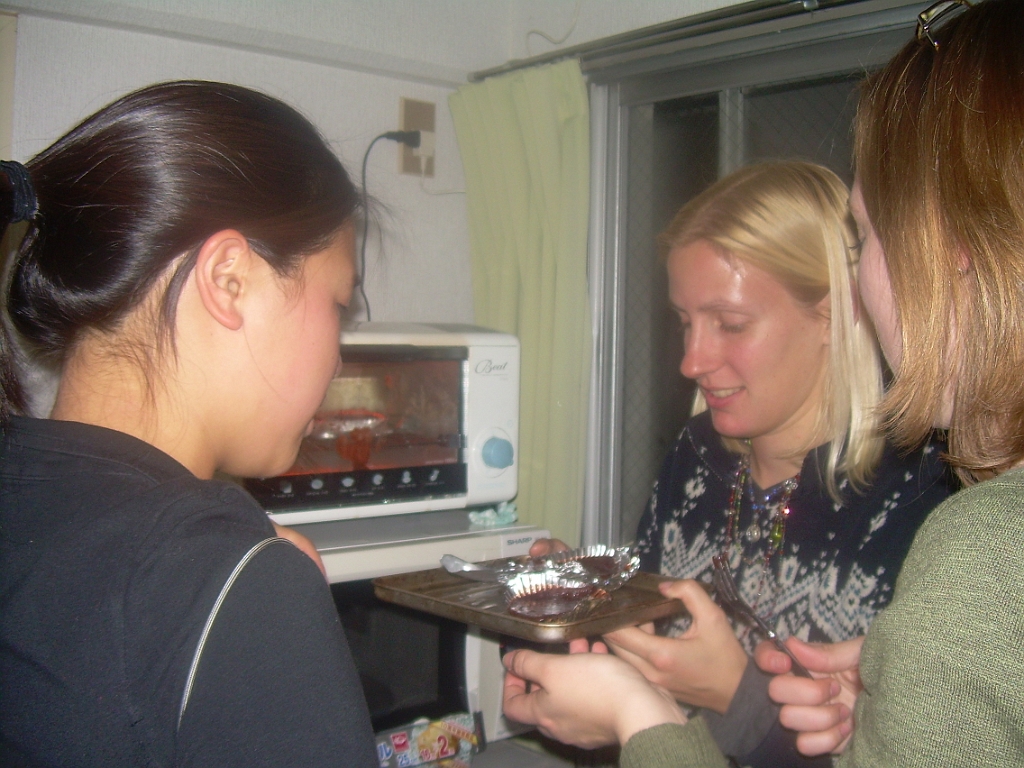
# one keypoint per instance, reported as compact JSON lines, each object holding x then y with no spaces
{"x":605,"y":567}
{"x":550,"y":595}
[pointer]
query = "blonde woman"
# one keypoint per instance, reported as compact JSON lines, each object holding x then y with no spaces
{"x":786,"y":470}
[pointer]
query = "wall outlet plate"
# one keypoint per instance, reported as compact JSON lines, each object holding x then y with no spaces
{"x":417,"y":116}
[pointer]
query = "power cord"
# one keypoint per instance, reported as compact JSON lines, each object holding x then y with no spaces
{"x":410,"y":139}
{"x":546,"y":36}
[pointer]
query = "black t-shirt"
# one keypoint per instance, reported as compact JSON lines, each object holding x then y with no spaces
{"x":112,"y":556}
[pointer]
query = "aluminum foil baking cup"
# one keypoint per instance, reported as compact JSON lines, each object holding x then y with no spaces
{"x":604,"y":566}
{"x":549,"y":595}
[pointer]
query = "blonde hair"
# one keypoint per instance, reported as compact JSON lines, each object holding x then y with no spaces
{"x":791,"y":219}
{"x":940,"y":158}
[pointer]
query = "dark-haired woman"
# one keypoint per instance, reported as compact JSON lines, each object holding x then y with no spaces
{"x":187,"y":252}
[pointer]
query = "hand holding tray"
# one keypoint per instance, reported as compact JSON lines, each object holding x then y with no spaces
{"x":438,"y":592}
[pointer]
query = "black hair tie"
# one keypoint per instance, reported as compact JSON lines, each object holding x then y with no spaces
{"x":23,"y":203}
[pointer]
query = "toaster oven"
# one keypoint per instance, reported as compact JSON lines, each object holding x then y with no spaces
{"x":421,"y":418}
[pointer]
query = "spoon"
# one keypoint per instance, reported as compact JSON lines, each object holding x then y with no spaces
{"x":459,"y":567}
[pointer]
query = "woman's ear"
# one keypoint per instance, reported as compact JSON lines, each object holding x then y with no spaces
{"x":221,"y":275}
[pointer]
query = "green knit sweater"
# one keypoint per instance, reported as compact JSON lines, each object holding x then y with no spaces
{"x":942,"y":666}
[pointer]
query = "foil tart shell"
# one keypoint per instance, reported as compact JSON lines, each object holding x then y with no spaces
{"x":604,"y":566}
{"x":551,"y":595}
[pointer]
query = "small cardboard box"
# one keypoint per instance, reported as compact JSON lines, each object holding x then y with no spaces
{"x":449,"y":742}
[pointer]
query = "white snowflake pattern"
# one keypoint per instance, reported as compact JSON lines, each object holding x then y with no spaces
{"x":694,"y":487}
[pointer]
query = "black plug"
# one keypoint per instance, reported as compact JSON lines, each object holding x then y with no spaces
{"x":409,"y":138}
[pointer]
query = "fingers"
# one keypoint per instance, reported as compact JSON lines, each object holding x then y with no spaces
{"x":583,"y":645}
{"x":542,"y":547}
{"x":638,"y":648}
{"x":827,"y":657}
{"x":814,"y":719}
{"x":514,"y":686}
{"x":825,"y":742}
{"x":693,"y":595}
{"x":803,"y":691}
{"x":523,"y":664}
{"x":304,"y":544}
{"x":770,"y":659}
{"x":651,"y":655}
{"x":822,"y":658}
{"x":579,"y":645}
{"x":515,"y":699}
{"x":639,"y":663}
{"x":584,"y":699}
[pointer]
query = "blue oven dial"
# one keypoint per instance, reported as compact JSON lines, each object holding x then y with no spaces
{"x":497,"y":452}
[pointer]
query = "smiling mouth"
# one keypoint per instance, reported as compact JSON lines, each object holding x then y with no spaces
{"x":720,"y":394}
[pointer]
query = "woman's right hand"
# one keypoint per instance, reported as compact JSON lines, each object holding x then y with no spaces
{"x":820,"y":709}
{"x":703,"y":666}
{"x":542,"y":547}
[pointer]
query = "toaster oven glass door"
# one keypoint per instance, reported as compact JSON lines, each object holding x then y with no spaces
{"x":389,"y":429}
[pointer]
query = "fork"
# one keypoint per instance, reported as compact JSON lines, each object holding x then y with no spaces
{"x":729,"y":596}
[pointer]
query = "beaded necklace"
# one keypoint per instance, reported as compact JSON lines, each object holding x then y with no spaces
{"x":768,"y":521}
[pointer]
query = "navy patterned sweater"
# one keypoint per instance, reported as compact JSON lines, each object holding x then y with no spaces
{"x":838,"y":563}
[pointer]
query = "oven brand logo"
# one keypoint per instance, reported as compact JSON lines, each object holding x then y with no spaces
{"x":491,"y":368}
{"x":523,"y":540}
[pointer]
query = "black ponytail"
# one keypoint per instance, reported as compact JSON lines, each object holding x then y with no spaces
{"x":147,"y":180}
{"x":17,"y":204}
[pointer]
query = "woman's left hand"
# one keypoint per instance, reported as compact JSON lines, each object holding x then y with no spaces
{"x":303,"y":543}
{"x":820,"y":710}
{"x":586,"y":699}
{"x":703,"y":666}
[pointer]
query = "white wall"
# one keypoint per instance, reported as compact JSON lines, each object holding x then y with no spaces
{"x":345,"y":64}
{"x":424,"y":274}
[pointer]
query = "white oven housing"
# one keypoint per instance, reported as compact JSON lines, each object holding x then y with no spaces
{"x":489,"y":429}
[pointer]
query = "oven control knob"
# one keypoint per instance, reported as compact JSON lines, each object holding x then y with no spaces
{"x":497,"y":453}
{"x":286,"y":487}
{"x":317,"y":484}
{"x":378,"y":479}
{"x":348,"y":482}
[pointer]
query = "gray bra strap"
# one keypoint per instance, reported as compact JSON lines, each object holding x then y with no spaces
{"x":212,"y":617}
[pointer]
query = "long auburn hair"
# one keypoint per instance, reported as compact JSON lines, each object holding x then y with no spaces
{"x":939,"y":138}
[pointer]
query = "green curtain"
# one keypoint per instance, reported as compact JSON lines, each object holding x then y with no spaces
{"x":524,"y":138}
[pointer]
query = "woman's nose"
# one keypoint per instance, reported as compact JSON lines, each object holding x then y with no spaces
{"x":696,"y":356}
